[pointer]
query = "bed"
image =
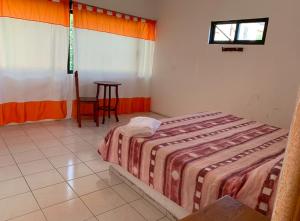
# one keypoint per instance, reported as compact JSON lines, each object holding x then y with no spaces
{"x":196,"y":159}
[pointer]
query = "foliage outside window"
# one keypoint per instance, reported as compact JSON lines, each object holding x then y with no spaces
{"x":71,"y":45}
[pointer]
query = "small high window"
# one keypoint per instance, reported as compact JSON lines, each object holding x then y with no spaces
{"x":249,"y":31}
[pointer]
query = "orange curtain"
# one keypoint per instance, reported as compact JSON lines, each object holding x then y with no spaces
{"x":16,"y":105}
{"x":46,"y":11}
{"x":32,"y":111}
{"x":92,"y":18}
{"x":126,"y":106}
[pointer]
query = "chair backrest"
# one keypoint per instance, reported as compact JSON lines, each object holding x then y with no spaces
{"x":77,"y":85}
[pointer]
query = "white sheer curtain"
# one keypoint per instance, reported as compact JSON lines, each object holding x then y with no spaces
{"x":105,"y":56}
{"x":33,"y":63}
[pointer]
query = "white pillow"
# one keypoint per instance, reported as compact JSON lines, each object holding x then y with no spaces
{"x":141,"y":126}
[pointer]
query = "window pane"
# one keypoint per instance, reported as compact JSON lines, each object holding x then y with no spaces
{"x":251,"y":31}
{"x":225,"y":32}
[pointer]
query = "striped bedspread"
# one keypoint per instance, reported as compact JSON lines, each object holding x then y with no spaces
{"x":196,"y":159}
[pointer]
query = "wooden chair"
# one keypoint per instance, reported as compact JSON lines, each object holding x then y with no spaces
{"x":89,"y":100}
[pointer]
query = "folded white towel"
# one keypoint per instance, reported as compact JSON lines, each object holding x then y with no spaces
{"x":141,"y":126}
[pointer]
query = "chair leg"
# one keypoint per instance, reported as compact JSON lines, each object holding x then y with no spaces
{"x":78,"y":115}
{"x":94,"y":112}
{"x":109,"y":100}
{"x":116,"y":115}
{"x":104,"y":105}
{"x":97,"y":114}
{"x":117,"y":103}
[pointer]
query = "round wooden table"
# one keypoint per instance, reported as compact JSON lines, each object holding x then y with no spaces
{"x":108,"y":107}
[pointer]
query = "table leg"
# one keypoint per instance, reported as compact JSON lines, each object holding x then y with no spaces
{"x":98,"y":91}
{"x":104,"y":105}
{"x":117,"y":103}
{"x":109,"y":100}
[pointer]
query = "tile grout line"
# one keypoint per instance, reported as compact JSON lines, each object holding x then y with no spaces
{"x":42,"y":209}
{"x":140,"y":212}
{"x":109,"y":187}
{"x":38,"y":210}
{"x":65,"y":180}
{"x":129,"y":203}
{"x":28,"y":185}
{"x":143,"y":198}
{"x":54,"y":168}
{"x":79,"y":197}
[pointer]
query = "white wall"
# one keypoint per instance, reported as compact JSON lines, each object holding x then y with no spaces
{"x":142,"y":8}
{"x":190,"y":75}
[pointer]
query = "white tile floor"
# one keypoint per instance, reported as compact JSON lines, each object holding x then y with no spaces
{"x":52,"y":171}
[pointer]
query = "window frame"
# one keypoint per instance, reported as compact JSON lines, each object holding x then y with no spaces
{"x":238,"y":23}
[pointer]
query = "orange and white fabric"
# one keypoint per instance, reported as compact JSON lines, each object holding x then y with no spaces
{"x":34,"y":34}
{"x":33,"y":60}
{"x":115,"y":47}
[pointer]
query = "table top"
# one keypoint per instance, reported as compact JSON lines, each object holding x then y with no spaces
{"x":227,"y":209}
{"x":107,"y":83}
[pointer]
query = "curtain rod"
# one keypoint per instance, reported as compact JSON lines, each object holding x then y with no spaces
{"x":148,"y":19}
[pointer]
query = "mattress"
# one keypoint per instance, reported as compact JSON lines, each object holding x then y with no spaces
{"x":196,"y":159}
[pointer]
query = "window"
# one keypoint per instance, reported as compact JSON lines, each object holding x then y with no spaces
{"x":71,"y":44}
{"x":250,"y":31}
